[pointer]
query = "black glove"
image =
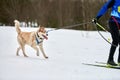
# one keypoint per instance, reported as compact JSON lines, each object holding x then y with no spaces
{"x":94,"y":20}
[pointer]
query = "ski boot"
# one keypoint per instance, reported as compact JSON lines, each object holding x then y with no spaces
{"x":111,"y":63}
{"x":118,"y":63}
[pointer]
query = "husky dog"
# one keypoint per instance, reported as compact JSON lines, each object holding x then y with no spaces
{"x":32,"y":39}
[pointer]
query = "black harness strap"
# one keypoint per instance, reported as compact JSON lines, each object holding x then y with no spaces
{"x":116,"y":22}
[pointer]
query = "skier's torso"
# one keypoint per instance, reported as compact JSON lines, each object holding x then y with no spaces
{"x":116,"y":9}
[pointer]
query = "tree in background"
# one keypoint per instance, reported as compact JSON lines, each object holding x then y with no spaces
{"x":51,"y":13}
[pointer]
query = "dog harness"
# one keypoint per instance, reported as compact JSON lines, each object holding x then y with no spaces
{"x":38,"y":39}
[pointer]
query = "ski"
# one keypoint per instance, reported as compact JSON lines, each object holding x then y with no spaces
{"x":102,"y":65}
{"x":100,"y":62}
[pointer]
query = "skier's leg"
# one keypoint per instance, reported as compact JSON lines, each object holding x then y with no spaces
{"x":115,"y":36}
{"x":119,"y":51}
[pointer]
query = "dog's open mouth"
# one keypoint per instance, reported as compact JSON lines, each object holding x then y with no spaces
{"x":45,"y":37}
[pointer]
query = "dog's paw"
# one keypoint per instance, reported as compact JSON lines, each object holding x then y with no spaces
{"x":46,"y":57}
{"x":37,"y":54}
{"x":25,"y":56}
{"x":17,"y":55}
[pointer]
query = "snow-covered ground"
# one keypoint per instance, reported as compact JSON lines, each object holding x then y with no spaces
{"x":66,"y":49}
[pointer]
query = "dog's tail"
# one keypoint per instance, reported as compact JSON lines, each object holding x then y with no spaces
{"x":17,"y":26}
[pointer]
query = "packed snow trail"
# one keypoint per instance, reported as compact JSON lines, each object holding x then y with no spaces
{"x":66,"y":49}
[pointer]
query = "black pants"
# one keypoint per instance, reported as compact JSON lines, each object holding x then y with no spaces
{"x":116,"y":40}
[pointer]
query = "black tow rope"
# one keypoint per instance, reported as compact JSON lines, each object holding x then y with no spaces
{"x":100,"y":26}
{"x":67,"y":27}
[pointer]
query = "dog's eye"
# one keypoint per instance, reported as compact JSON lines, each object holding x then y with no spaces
{"x":39,"y":37}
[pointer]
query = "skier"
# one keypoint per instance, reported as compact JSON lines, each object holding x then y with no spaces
{"x":114,"y":25}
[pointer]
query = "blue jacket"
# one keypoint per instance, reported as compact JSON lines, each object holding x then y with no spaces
{"x":115,"y":5}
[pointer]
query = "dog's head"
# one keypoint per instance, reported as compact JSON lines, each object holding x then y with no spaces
{"x":42,"y":33}
{"x":17,"y":23}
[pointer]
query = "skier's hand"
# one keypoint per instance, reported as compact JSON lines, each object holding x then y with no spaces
{"x":94,"y":20}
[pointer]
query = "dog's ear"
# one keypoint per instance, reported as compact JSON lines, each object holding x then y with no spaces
{"x":42,"y":29}
{"x":39,"y":26}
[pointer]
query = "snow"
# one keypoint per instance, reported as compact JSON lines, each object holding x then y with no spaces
{"x":66,"y":49}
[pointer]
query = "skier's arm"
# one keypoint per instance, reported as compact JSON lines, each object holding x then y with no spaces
{"x":105,"y":7}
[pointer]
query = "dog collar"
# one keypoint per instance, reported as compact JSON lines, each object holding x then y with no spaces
{"x":38,"y":40}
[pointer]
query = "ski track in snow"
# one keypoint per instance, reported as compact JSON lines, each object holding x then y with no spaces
{"x":66,"y":49}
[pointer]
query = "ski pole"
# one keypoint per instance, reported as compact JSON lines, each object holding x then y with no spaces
{"x":107,"y":40}
{"x":101,"y":27}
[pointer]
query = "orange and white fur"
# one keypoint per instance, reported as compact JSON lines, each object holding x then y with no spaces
{"x":32,"y":39}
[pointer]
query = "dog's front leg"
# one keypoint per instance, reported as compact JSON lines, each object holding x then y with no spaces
{"x":34,"y":47}
{"x":23,"y":49}
{"x":41,"y":48}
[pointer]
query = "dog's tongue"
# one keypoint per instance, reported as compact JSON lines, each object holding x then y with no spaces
{"x":45,"y":37}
